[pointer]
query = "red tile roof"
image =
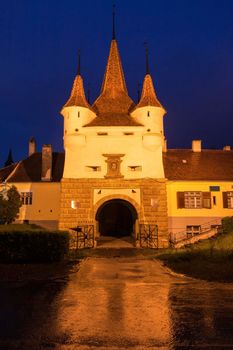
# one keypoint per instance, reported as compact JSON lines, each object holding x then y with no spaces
{"x":6,"y":171}
{"x":148,"y":97}
{"x":77,"y":96}
{"x":113,"y":120}
{"x":207,"y":165}
{"x":29,"y":169}
{"x":114,"y":99}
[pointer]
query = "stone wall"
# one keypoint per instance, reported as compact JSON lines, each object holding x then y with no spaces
{"x":153,"y":198}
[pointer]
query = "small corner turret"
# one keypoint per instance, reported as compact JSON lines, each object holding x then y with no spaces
{"x":76,"y":112}
{"x":149,"y":110}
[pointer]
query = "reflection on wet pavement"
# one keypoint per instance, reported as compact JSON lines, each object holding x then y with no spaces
{"x":117,"y":303}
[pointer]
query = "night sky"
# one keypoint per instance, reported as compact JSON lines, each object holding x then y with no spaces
{"x":190,"y":53}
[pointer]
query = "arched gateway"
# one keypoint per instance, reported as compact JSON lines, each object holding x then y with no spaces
{"x":117,"y":218}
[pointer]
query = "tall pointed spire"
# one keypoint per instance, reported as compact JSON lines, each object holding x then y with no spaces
{"x":79,"y":63}
{"x":113,"y":23}
{"x":114,"y":96}
{"x":114,"y":77}
{"x":147,"y":58}
{"x":77,"y":96}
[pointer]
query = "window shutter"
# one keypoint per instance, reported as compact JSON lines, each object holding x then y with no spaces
{"x":225,"y":202}
{"x":180,"y":200}
{"x":206,"y":200}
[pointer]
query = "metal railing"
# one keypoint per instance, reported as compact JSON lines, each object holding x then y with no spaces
{"x":176,"y":237}
{"x":84,"y":236}
{"x":148,"y":236}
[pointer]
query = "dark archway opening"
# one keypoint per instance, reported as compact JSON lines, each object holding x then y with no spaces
{"x":116,"y":218}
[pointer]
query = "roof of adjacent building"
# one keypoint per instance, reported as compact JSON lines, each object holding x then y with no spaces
{"x":207,"y":165}
{"x":6,"y":171}
{"x":179,"y":164}
{"x":29,"y":169}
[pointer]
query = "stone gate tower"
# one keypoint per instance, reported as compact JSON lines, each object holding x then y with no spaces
{"x":113,"y":175}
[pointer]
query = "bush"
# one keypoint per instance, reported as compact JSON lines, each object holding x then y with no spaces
{"x":35,"y":246}
{"x":20,"y":227}
{"x":227,"y":224}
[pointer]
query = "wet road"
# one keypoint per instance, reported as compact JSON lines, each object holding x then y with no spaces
{"x":116,"y":303}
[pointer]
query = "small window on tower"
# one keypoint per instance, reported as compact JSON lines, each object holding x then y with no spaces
{"x":76,"y":130}
{"x":91,"y":168}
{"x":148,"y":113}
{"x":78,"y":114}
{"x":135,"y":168}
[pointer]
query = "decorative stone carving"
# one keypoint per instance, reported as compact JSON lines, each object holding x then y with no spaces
{"x":113,"y":162}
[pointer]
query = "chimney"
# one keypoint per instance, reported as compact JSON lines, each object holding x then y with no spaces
{"x":164,"y":145}
{"x":31,"y":146}
{"x":196,"y":145}
{"x":46,"y":168}
{"x":227,"y":148}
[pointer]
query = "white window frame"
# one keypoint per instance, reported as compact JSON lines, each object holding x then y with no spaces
{"x":26,"y":197}
{"x":193,"y":199}
{"x":230,"y":199}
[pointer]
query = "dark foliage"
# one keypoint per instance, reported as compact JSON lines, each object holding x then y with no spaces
{"x":227,"y":224}
{"x":37,"y":246}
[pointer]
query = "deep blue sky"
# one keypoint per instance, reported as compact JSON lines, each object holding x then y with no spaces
{"x":191,"y":62}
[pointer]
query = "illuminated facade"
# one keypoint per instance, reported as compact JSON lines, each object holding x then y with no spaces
{"x":113,"y":156}
{"x":117,"y":174}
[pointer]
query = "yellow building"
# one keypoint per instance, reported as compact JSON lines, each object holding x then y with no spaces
{"x":116,"y":176}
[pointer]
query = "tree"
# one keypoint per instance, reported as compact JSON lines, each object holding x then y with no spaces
{"x":10,"y":203}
